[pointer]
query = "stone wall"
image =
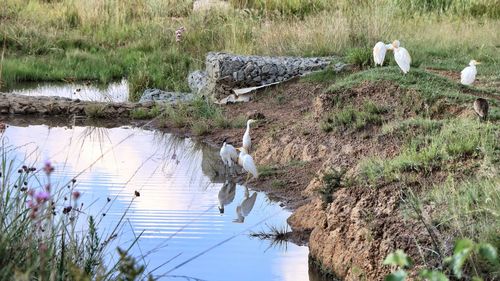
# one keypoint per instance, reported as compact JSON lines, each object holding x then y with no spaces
{"x":57,"y":106}
{"x":228,"y":71}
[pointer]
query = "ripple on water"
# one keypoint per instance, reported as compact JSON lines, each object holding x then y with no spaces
{"x":177,"y":208}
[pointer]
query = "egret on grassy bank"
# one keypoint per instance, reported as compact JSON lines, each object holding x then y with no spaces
{"x":245,"y":206}
{"x":379,"y":52}
{"x":247,"y":141}
{"x":481,"y":108}
{"x":468,"y":74}
{"x":401,"y":56}
{"x":228,"y":154}
{"x":247,"y":163}
{"x":226,"y":194}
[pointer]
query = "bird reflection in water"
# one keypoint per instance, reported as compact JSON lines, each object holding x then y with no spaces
{"x":245,"y":206}
{"x":226,"y":194}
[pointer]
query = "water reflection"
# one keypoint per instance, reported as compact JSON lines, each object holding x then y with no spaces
{"x":183,"y":232}
{"x":226,"y":194}
{"x":246,"y":206}
{"x":113,"y":92}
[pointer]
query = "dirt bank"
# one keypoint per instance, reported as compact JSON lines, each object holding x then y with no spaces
{"x":352,"y":233}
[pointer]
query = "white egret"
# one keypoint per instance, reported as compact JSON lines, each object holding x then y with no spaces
{"x":247,"y":163}
{"x":226,"y":194}
{"x":379,"y":52}
{"x":481,"y":108}
{"x":468,"y":74}
{"x":247,"y":141}
{"x":245,"y":206}
{"x":401,"y":56}
{"x":228,"y":154}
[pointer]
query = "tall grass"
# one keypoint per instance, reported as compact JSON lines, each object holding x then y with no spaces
{"x":106,"y":40}
{"x":41,"y":234}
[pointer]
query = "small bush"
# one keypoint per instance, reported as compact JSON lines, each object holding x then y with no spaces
{"x":200,"y":127}
{"x":177,"y":116}
{"x":95,"y":111}
{"x":332,"y":180}
{"x":143,"y":113}
{"x":361,"y":57}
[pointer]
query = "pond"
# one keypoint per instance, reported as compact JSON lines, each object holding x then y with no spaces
{"x":112,"y":92}
{"x":183,"y":232}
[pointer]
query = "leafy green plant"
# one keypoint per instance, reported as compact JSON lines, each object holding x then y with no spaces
{"x":463,"y":251}
{"x":332,"y":180}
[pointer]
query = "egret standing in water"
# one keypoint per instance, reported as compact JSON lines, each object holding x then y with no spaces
{"x":481,"y":108}
{"x":468,"y":74}
{"x":247,"y":163}
{"x":379,"y":52}
{"x":247,"y":141}
{"x":228,"y":154}
{"x":401,"y":56}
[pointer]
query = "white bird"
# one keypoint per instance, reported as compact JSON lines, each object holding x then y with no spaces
{"x":228,"y":154}
{"x":401,"y":56}
{"x":247,"y":163}
{"x":247,"y":141}
{"x":379,"y":52}
{"x":226,"y":194}
{"x":245,"y":206}
{"x":468,"y":74}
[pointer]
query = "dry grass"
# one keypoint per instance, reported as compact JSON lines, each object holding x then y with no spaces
{"x":106,"y":40}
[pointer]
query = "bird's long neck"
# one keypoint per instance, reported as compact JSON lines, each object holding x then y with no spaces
{"x":248,"y":128}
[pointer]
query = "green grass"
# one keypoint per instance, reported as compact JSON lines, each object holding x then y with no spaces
{"x":268,"y":170}
{"x":200,"y":116}
{"x":361,"y":57}
{"x":142,"y":113}
{"x":438,"y":150}
{"x":104,"y":41}
{"x":470,"y":208}
{"x":95,"y":111}
{"x":350,"y":117}
{"x":332,"y":180}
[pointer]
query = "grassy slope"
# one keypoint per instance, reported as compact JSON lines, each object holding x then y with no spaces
{"x":96,"y":40}
{"x":458,"y":147}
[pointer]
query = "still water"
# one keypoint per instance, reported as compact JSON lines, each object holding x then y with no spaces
{"x":113,"y":92}
{"x":184,"y":234}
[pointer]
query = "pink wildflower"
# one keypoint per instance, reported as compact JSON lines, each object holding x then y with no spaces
{"x":76,"y":195}
{"x":42,"y":196}
{"x":48,"y":168}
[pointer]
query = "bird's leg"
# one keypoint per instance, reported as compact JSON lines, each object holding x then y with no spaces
{"x":248,"y":176}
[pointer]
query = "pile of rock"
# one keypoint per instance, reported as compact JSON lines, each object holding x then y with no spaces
{"x":226,"y":72}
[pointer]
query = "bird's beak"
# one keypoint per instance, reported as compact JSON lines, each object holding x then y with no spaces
{"x":478,"y":62}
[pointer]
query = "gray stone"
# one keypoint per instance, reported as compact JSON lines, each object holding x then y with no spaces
{"x":157,"y":95}
{"x":198,"y":82}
